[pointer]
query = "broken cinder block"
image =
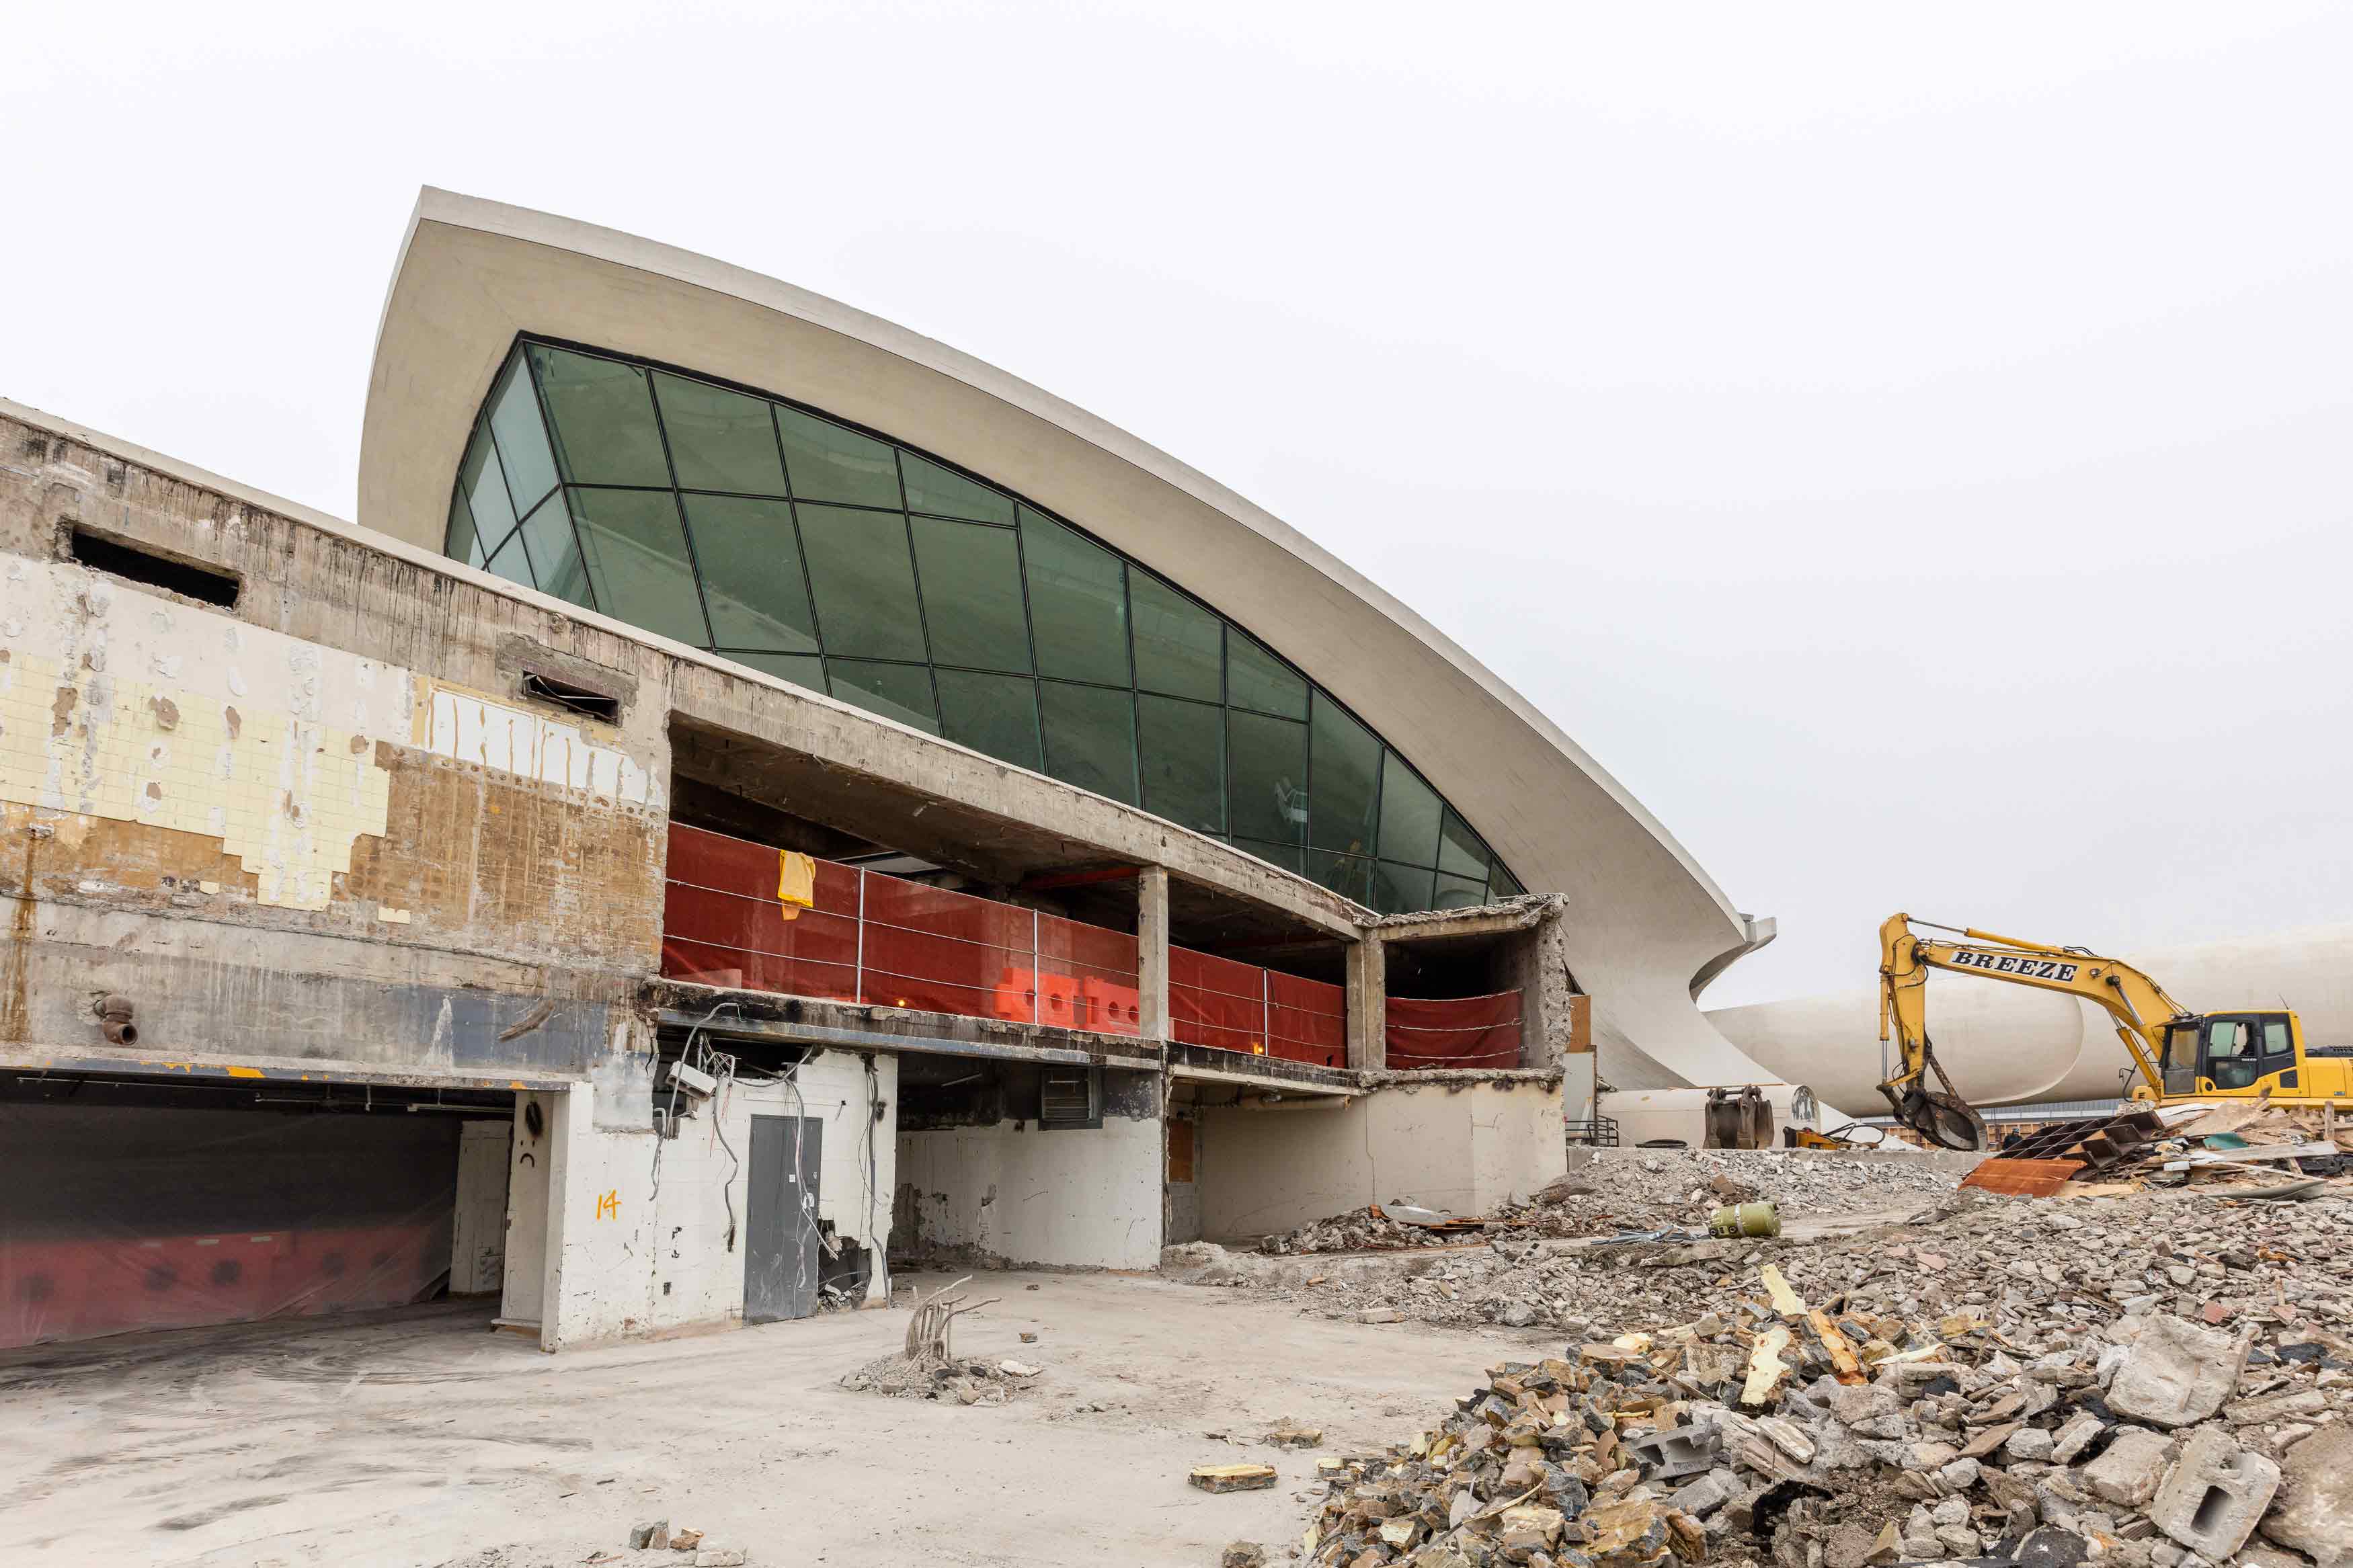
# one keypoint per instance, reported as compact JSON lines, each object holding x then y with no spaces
{"x":2213,"y":1496}
{"x":2314,"y":1510}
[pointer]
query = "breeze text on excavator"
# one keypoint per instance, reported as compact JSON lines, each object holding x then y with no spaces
{"x":2181,"y":1055}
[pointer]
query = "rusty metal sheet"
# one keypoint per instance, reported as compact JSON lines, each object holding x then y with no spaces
{"x":2023,"y":1178}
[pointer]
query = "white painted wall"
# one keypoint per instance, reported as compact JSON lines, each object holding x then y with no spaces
{"x":1465,"y":1150}
{"x":1072,"y":1197}
{"x":642,"y":1246}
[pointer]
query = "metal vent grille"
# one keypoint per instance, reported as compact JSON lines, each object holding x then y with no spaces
{"x":1070,"y":1096}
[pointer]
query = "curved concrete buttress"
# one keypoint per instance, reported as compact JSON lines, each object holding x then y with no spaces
{"x":2006,"y":1044}
{"x":1646,"y":921}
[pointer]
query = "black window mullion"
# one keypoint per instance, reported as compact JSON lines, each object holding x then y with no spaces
{"x":677,"y":505}
{"x":563,"y":492}
{"x":800,"y":548}
{"x":915,"y":571}
{"x":1029,"y":626}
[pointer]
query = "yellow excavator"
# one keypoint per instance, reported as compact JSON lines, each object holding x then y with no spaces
{"x":2181,"y":1055}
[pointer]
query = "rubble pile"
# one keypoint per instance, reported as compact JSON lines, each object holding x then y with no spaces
{"x":2154,"y":1382}
{"x":1655,"y":1190}
{"x":956,"y":1381}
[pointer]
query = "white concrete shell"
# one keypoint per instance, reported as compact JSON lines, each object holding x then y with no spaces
{"x":473,"y":274}
{"x":2005,"y":1045}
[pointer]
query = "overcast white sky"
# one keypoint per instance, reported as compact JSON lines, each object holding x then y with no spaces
{"x":1909,"y":446}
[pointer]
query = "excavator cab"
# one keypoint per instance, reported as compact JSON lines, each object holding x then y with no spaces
{"x":2232,"y":1051}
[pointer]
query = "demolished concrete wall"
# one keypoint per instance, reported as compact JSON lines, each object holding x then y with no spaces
{"x":1464,"y":1146}
{"x":1010,"y":1193}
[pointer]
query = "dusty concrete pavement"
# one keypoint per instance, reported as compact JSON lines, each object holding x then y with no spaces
{"x":422,"y":1437}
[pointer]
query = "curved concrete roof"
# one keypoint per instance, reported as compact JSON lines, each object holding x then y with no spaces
{"x":2006,"y":1044}
{"x":1646,"y":920}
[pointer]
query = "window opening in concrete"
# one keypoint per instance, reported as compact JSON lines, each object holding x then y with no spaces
{"x":121,"y":559}
{"x":578,"y":700}
{"x":845,"y":563}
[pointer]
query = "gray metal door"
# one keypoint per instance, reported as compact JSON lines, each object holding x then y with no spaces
{"x":781,"y":1250}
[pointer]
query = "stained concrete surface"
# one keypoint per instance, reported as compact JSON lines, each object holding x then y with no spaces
{"x":422,"y":1437}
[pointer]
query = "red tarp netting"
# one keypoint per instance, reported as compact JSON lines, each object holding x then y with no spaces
{"x":1102,"y":964}
{"x":1307,"y":1020}
{"x":721,"y":924}
{"x":1454,"y":1032}
{"x":123,"y":1217}
{"x":1216,"y":1002}
{"x":941,"y":951}
{"x":925,"y":948}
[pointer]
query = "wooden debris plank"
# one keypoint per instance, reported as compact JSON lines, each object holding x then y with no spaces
{"x":1786,"y":1302}
{"x":1845,"y":1364}
{"x":1766,"y":1367}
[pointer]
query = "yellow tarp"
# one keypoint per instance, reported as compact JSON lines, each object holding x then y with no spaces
{"x":796,"y":882}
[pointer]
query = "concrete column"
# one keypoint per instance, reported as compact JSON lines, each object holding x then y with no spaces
{"x":1369,"y":1005}
{"x":571,"y":1168}
{"x":1152,"y":949}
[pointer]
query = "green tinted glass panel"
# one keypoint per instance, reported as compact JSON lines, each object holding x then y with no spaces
{"x":931,"y":488}
{"x":1090,"y":738}
{"x":636,"y":560}
{"x":1345,"y":761}
{"x":993,"y":713}
{"x":485,"y":489}
{"x":825,"y":462}
{"x":865,"y":581}
{"x":605,"y":430}
{"x":511,"y":563}
{"x":1350,"y":875}
{"x":800,"y":668}
{"x":1409,"y":812}
{"x":1183,"y":750}
{"x":900,"y":691}
{"x":1180,"y":647}
{"x":1458,"y":849}
{"x":463,"y":544}
{"x":1286,"y":855}
{"x":1269,"y":777}
{"x":1504,"y":885}
{"x":1401,"y":890}
{"x":972,"y":593}
{"x":554,"y":557}
{"x":1078,"y":607}
{"x":751,"y":574}
{"x":522,"y":437}
{"x":1459,"y":894}
{"x":719,"y":440}
{"x":1256,"y":679}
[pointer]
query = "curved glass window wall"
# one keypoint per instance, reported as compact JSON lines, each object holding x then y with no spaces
{"x":853,"y":565}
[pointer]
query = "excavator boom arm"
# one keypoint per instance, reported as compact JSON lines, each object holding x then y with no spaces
{"x":2134,"y":1004}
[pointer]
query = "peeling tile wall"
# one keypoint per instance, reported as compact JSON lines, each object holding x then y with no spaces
{"x":123,"y":705}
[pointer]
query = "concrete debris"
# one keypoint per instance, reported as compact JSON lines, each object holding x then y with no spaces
{"x":955,"y":1382}
{"x":659,"y":1536}
{"x":1242,"y":1554}
{"x":2313,"y":1510}
{"x":1289,"y":1434}
{"x":2036,"y":1389}
{"x":1232,"y":1478}
{"x":1662,"y":1190}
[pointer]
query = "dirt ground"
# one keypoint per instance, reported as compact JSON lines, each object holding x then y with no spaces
{"x":422,"y":1437}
